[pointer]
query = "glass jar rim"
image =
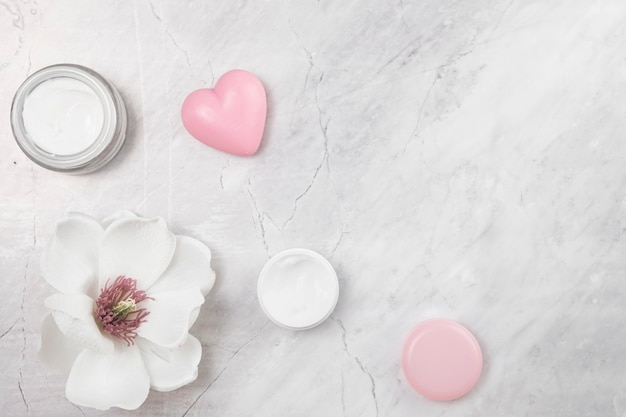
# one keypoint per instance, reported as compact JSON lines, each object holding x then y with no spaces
{"x":109,"y":140}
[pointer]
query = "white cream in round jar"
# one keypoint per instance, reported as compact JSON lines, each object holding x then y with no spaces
{"x":68,"y":118}
{"x":298,"y":289}
{"x":63,"y":116}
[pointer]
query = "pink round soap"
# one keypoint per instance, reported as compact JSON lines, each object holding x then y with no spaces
{"x":441,"y":359}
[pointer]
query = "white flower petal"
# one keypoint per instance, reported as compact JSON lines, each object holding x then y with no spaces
{"x":179,"y":367}
{"x":70,"y":261}
{"x":193,"y":316}
{"x":190,"y":267}
{"x":74,"y":316}
{"x":57,"y":351}
{"x":101,"y":381}
{"x":122,"y":214}
{"x":136,"y":248}
{"x":168,"y":321}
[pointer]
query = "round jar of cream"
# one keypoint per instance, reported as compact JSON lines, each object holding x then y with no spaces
{"x":298,"y":289}
{"x":68,"y":118}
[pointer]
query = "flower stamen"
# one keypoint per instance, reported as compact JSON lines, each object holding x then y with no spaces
{"x":124,"y":308}
{"x":117,"y":308}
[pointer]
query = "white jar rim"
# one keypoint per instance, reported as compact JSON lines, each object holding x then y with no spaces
{"x":108,"y":142}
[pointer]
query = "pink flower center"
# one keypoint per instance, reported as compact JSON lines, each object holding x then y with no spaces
{"x":117,"y":310}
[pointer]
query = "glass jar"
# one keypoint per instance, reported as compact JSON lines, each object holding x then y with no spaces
{"x":104,"y":99}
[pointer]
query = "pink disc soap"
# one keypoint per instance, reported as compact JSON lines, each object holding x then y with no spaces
{"x":441,"y":359}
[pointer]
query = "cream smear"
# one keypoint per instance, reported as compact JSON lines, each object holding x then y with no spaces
{"x":298,"y":289}
{"x":63,"y":116}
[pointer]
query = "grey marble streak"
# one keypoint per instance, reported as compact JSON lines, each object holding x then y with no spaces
{"x":451,"y":158}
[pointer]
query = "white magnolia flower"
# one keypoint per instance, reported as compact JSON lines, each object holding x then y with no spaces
{"x":129,"y":290}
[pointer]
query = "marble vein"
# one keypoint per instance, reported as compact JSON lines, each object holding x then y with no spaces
{"x":359,"y":363}
{"x":224,"y":368}
{"x":260,"y":217}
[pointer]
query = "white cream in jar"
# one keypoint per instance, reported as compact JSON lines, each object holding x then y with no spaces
{"x":68,"y":118}
{"x":298,"y":289}
{"x":63,"y":116}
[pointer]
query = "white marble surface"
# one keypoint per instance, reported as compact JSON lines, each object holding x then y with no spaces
{"x":455,"y":159}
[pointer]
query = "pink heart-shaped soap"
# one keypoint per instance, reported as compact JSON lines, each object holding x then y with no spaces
{"x":229,"y":117}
